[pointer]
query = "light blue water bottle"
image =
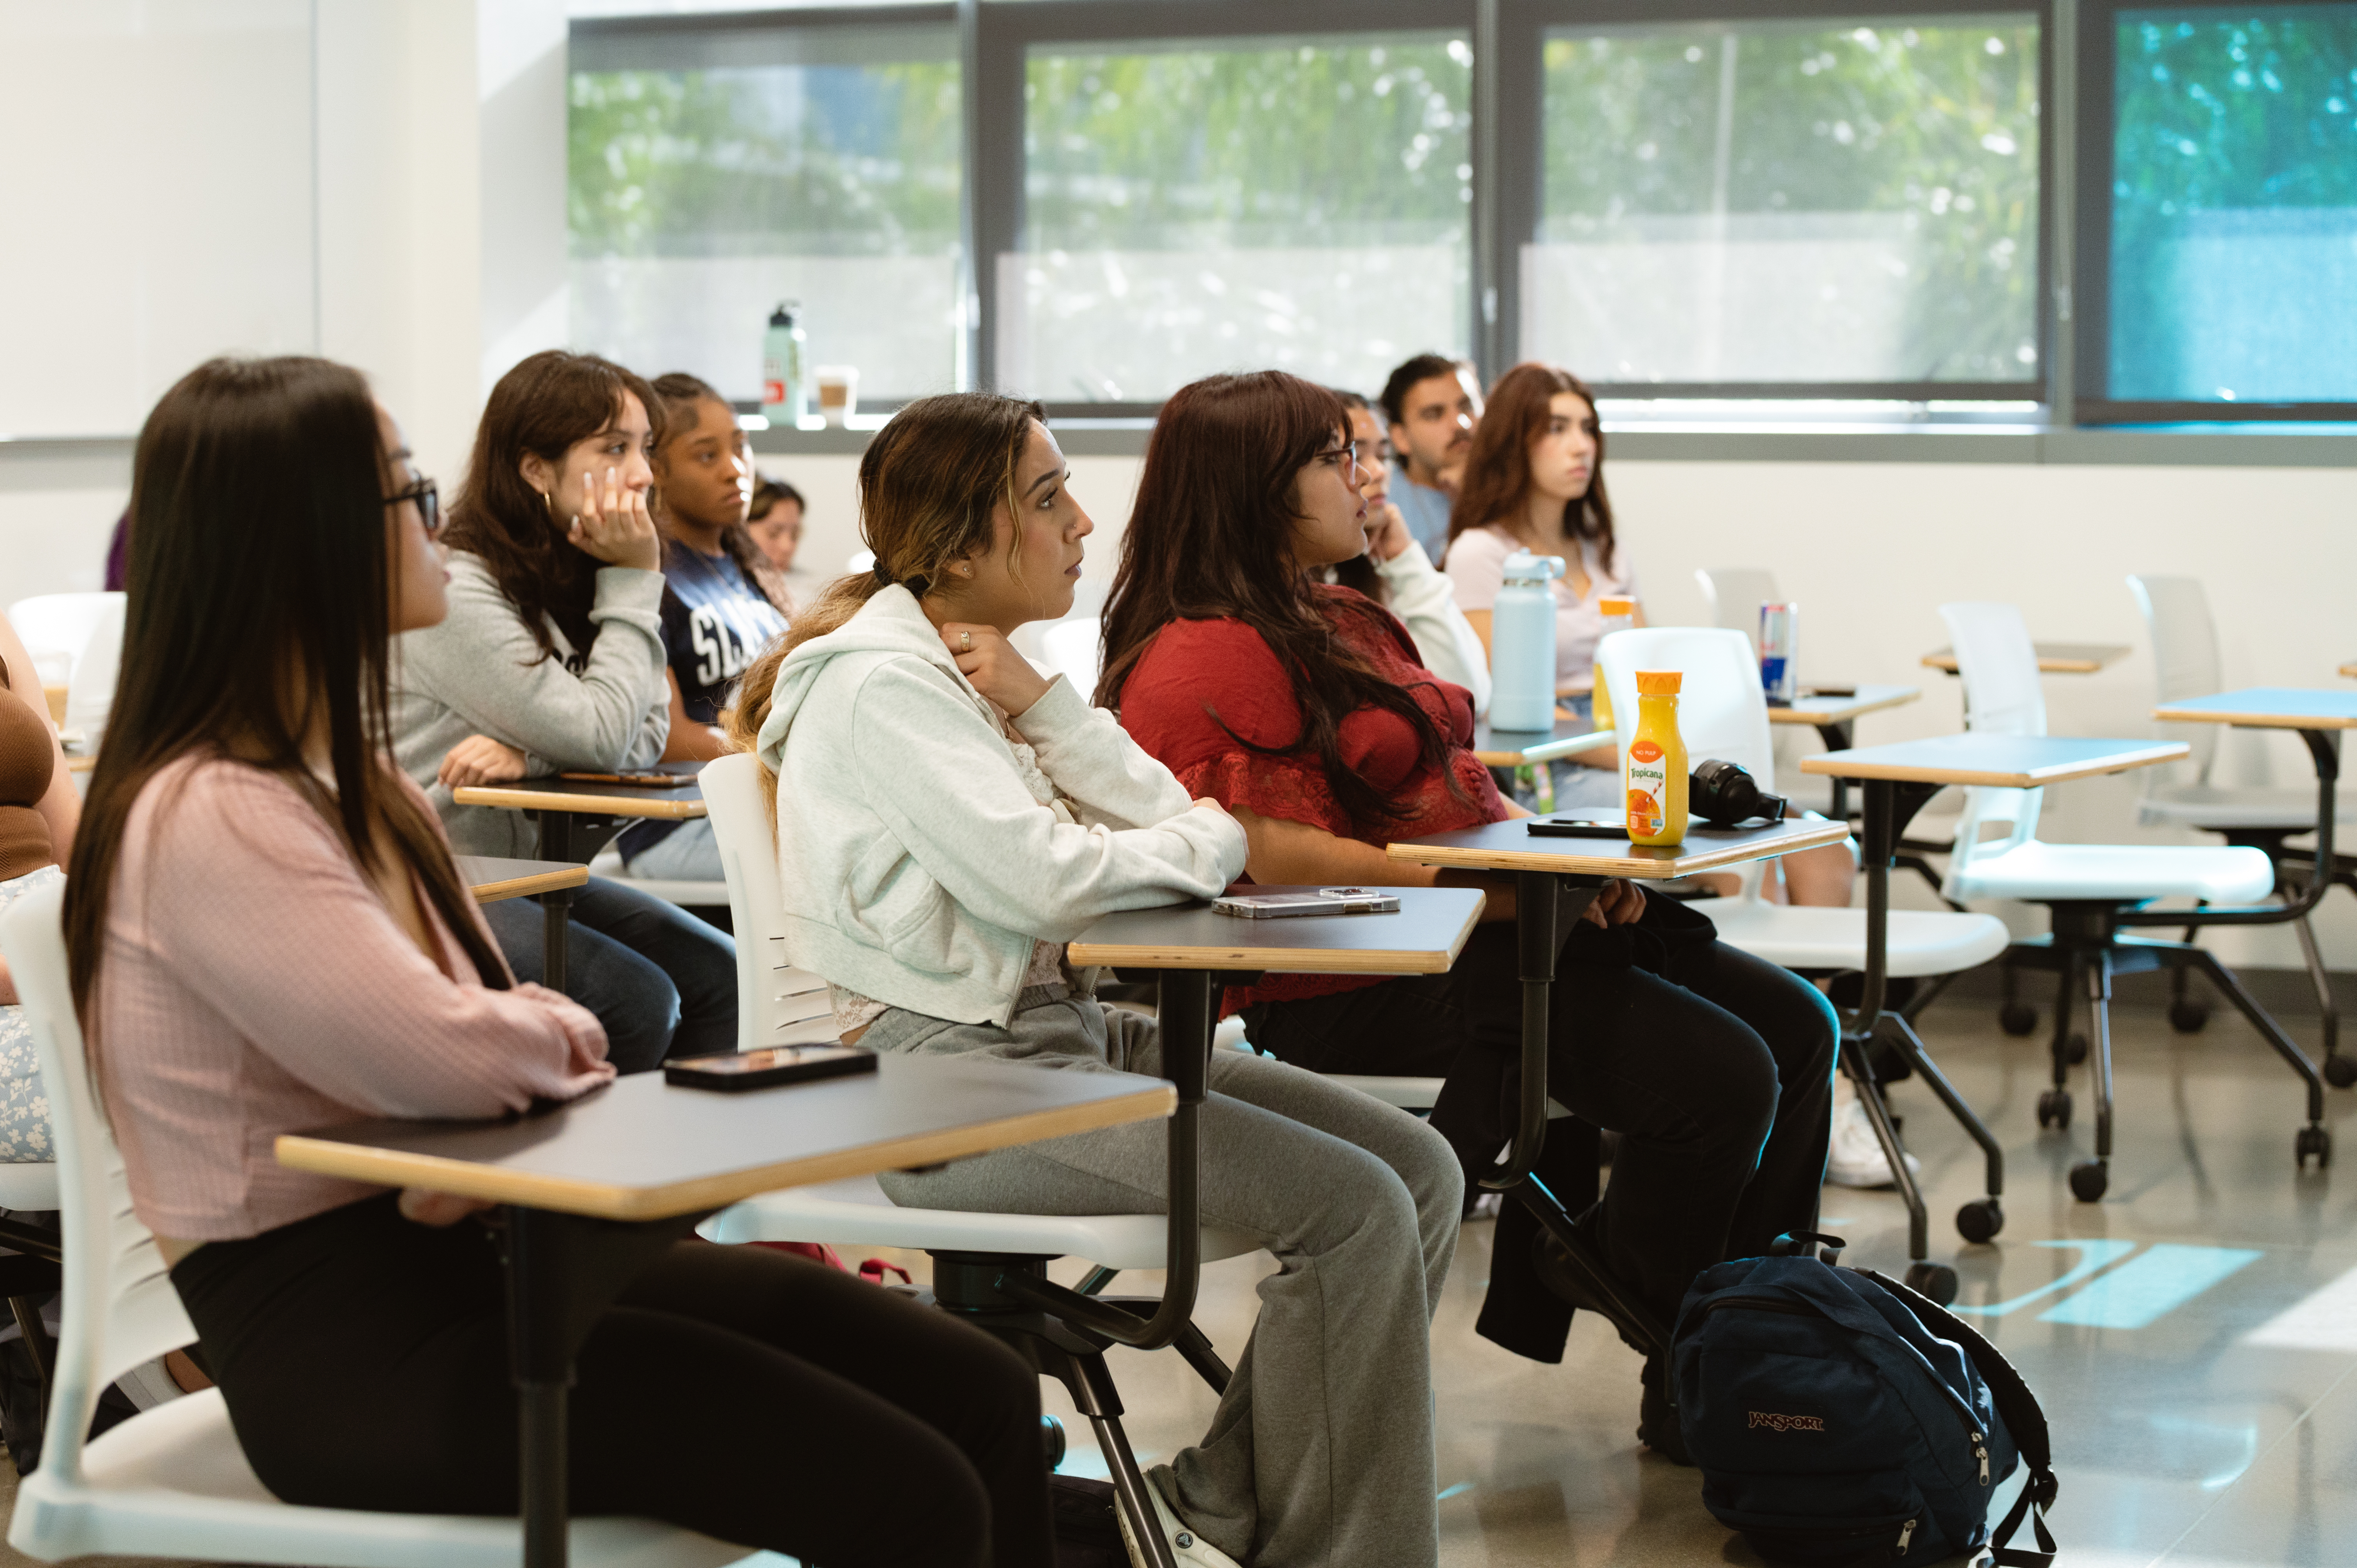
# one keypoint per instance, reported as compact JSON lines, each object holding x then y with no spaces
{"x":785,"y":389}
{"x":1521,"y":645}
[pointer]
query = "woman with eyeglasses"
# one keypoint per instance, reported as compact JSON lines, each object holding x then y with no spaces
{"x":1303,"y":709}
{"x":552,"y":658}
{"x":267,"y":935}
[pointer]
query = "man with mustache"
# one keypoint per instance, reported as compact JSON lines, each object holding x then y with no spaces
{"x":1433,"y":402}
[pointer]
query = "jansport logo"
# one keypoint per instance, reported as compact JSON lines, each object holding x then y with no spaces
{"x":1788,"y":1423}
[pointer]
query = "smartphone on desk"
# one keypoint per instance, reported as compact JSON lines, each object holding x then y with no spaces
{"x":635,"y":780}
{"x":768,"y":1068}
{"x":1324,"y":901}
{"x":1581,"y":827}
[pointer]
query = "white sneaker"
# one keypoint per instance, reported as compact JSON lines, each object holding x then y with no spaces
{"x":1191,"y":1550}
{"x":1856,"y":1158}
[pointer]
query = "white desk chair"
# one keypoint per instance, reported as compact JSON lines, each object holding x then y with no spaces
{"x":1734,"y":594}
{"x":1074,"y":649}
{"x":172,"y":1481}
{"x":2186,"y":664}
{"x":1723,"y":713}
{"x":88,"y":626}
{"x":2085,"y":887}
{"x":60,"y":621}
{"x":971,"y":1250}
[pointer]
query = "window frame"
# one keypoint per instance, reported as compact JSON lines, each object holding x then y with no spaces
{"x":1010,"y":30}
{"x":1522,"y":178}
{"x":2097,"y":63}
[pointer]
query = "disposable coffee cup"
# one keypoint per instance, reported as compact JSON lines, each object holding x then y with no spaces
{"x":838,"y":392}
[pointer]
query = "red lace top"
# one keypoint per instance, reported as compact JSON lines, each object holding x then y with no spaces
{"x":1194,"y":669}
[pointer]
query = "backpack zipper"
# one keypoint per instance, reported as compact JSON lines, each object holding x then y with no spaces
{"x":1906,"y":1534}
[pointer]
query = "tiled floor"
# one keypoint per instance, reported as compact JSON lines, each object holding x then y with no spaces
{"x":2220,"y":1430}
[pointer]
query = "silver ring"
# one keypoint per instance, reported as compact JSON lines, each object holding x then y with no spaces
{"x":965,"y":642}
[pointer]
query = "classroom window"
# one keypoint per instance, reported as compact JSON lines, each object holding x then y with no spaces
{"x":1235,"y":204}
{"x":715,"y":174}
{"x":1728,"y":206}
{"x":2233,"y":263}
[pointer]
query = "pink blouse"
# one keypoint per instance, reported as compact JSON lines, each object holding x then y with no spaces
{"x":254,"y":982}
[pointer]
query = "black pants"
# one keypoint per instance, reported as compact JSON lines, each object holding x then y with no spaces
{"x":662,"y":982}
{"x":1719,"y":1081}
{"x":759,"y":1397}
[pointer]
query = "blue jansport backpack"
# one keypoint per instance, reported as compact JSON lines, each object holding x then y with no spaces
{"x":1839,"y":1418}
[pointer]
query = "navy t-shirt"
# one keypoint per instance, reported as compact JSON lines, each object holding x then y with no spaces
{"x":715,"y":623}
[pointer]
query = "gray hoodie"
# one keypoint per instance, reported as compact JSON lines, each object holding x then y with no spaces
{"x":922,"y":854}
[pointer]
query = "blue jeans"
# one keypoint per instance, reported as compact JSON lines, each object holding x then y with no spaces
{"x":662,"y":982}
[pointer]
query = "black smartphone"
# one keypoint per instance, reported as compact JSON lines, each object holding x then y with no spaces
{"x":768,"y":1068}
{"x":635,"y":780}
{"x":1578,"y":828}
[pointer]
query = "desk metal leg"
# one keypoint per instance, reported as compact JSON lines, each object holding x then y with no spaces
{"x":542,"y":1364}
{"x":1837,"y":738}
{"x":556,"y":906}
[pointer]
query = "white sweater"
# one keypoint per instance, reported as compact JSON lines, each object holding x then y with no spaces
{"x":921,"y":859}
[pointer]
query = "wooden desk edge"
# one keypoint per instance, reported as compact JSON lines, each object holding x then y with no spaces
{"x":1840,"y":710}
{"x":654,"y":806}
{"x":605,"y":1200}
{"x":1281,"y":960}
{"x":1631,"y":870}
{"x":2252,"y":720}
{"x":525,"y":886}
{"x":2064,"y":773}
{"x":1546,"y":750}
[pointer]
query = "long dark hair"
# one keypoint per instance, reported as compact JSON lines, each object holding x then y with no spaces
{"x":680,"y":392}
{"x":1498,"y":470}
{"x":541,"y":406}
{"x":258,"y":553}
{"x":1209,"y":539}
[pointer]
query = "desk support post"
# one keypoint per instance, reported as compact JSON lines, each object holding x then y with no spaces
{"x":1836,"y":737}
{"x":543,"y":1367}
{"x":1890,"y":805}
{"x":556,"y":904}
{"x":1546,"y":906}
{"x":1187,"y":1012}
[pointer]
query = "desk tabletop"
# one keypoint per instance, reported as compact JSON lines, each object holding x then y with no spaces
{"x":554,"y":794}
{"x":1423,"y":936}
{"x":493,"y":877}
{"x":2053,"y":657}
{"x":2009,"y":761}
{"x":640,"y":1149}
{"x":1820,"y":708}
{"x":1510,"y":847}
{"x":1512,"y":747}
{"x":79,"y":761}
{"x":2267,"y":707}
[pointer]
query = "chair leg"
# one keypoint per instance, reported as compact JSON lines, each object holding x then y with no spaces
{"x":2341,"y":1074}
{"x":2089,"y":1178}
{"x":2315,"y":1139}
{"x":1090,"y":1383}
{"x":2055,"y":1104}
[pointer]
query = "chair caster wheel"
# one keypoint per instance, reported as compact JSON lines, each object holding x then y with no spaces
{"x":2340,"y":1071}
{"x":1052,"y":1440}
{"x":2054,"y":1108}
{"x":2088,"y":1181}
{"x":2316,"y":1141}
{"x":1980,"y":1219}
{"x":2016,"y":1017}
{"x":2187,"y":1017}
{"x":1935,"y":1280}
{"x":2074,"y":1049}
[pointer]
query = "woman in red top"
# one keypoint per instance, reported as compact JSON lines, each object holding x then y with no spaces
{"x":1301,"y":707}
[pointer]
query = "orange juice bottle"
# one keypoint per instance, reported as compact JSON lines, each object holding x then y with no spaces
{"x":1653,"y":762}
{"x":1619,"y":615}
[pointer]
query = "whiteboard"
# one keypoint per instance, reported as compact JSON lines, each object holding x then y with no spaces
{"x":158,"y":200}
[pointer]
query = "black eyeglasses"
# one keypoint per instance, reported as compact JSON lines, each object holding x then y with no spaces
{"x":429,"y":504}
{"x":1350,"y":453}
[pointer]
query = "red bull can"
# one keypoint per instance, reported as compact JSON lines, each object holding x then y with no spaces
{"x":1779,"y":670}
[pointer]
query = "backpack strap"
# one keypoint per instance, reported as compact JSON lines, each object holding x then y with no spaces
{"x":2024,"y":1418}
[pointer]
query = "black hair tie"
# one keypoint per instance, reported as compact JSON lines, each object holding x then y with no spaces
{"x":883,"y":579}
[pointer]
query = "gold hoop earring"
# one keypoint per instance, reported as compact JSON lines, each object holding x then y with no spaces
{"x":548,"y":500}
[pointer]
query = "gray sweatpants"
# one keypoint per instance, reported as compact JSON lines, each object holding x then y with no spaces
{"x":1321,"y":1450}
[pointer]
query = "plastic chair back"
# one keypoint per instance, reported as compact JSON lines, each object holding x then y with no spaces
{"x":776,"y":1005}
{"x":2184,"y":661}
{"x":2002,"y":696}
{"x":61,"y":621}
{"x":1074,"y":648}
{"x":90,"y":694}
{"x":1722,"y":713}
{"x":120,"y":1306}
{"x":1734,"y":594}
